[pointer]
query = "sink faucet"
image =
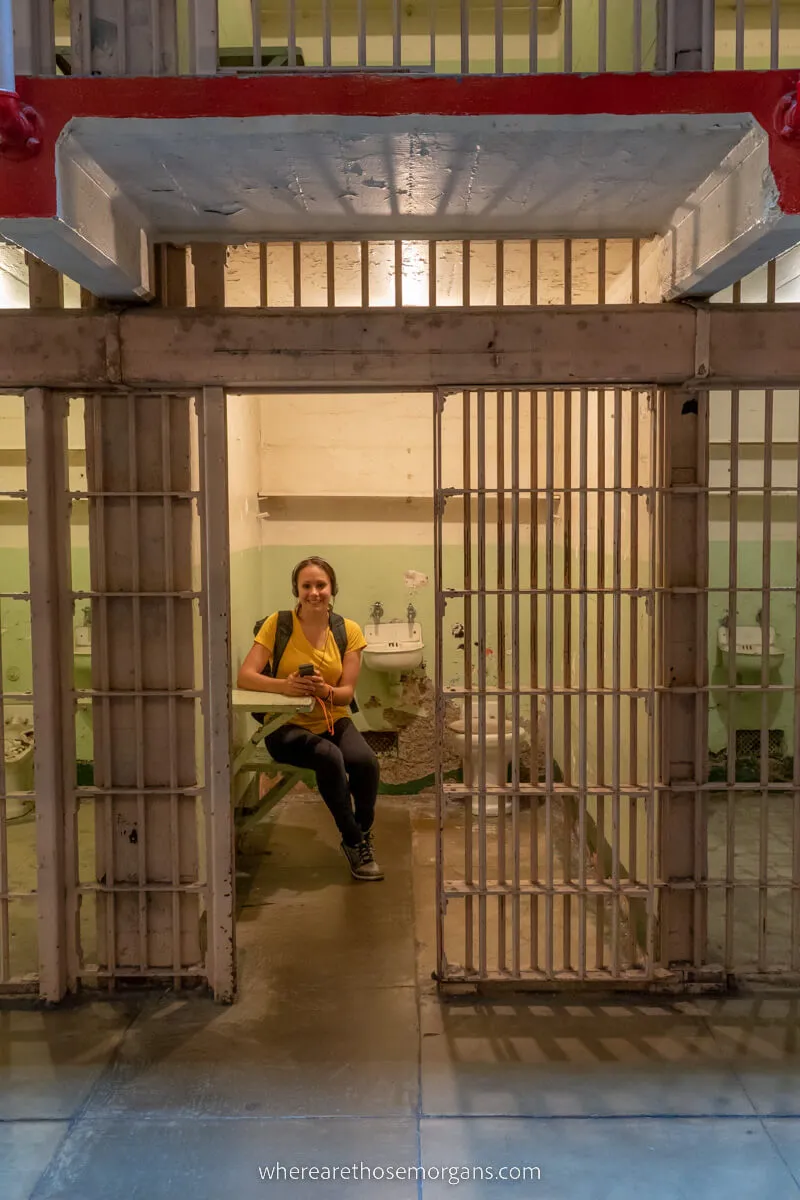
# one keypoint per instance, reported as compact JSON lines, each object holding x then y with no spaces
{"x":376,"y":613}
{"x":411,"y":613}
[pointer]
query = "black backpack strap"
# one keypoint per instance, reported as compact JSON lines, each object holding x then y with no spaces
{"x":283,"y":632}
{"x":339,"y":631}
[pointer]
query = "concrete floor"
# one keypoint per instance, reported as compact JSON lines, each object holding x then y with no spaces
{"x":340,"y":1052}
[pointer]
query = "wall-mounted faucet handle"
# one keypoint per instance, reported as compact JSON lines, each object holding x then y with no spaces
{"x":376,"y":612}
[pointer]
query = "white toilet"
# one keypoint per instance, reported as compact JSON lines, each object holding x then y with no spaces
{"x":497,"y":757}
{"x":18,"y":746}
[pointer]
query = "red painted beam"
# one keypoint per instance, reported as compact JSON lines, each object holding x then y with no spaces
{"x":28,"y":189}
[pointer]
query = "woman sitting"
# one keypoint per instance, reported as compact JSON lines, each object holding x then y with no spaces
{"x":325,"y":740}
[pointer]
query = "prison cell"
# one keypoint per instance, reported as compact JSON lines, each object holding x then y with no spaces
{"x":441,"y":36}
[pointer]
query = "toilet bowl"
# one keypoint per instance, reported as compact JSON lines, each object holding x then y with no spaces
{"x":497,"y":756}
{"x":18,"y":747}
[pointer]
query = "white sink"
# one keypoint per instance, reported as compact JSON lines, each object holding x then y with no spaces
{"x":749,"y":648}
{"x":393,"y":646}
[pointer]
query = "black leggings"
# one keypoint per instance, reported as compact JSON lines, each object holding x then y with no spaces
{"x":343,"y":763}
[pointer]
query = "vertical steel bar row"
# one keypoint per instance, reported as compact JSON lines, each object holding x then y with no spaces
{"x":600,"y":852}
{"x":326,"y":33}
{"x":438,"y":518}
{"x":138,"y":704}
{"x":638,"y":56}
{"x":500,"y":658}
{"x":795,"y":920}
{"x":255,"y":16}
{"x":482,"y":652}
{"x":549,"y":679}
{"x":397,"y":34}
{"x":499,"y":56}
{"x":567,"y":22}
{"x":566,"y":659}
{"x":733,"y":574}
{"x":633,"y":659}
{"x":740,"y":32}
{"x":533,"y":37}
{"x":775,"y":39}
{"x":616,"y":704}
{"x":701,"y":696}
{"x":172,"y":676}
{"x":469,"y":866}
{"x":464,"y":26}
{"x":602,"y":35}
{"x":362,"y":32}
{"x":515,"y":686}
{"x":534,"y":670}
{"x":583,"y":681}
{"x":764,"y":622}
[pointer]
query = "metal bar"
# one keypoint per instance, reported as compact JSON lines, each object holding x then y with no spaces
{"x":534,"y":271}
{"x":136,"y":647}
{"x":482,"y":653}
{"x":326,"y":33}
{"x":398,"y":274}
{"x":638,"y":56}
{"x":568,"y":270}
{"x":464,"y":27}
{"x":740,"y":34}
{"x":733,"y":568}
{"x":397,"y":34}
{"x":655,"y":403}
{"x":567,"y":22}
{"x":700,"y":677}
{"x":364,"y":263}
{"x":549,"y":673}
{"x":499,"y":276}
{"x":566,"y":660}
{"x":297,"y":274}
{"x":583,"y":640}
{"x":466,"y":263}
{"x":709,"y":33}
{"x":533,"y":37}
{"x":671,"y":36}
{"x":433,"y":298}
{"x":292,"y":35}
{"x":432,"y":8}
{"x":500,"y":658}
{"x":215,"y":567}
{"x":636,"y":270}
{"x":439,"y":399}
{"x":255,"y":17}
{"x":616,"y":725}
{"x":330,"y":274}
{"x":602,"y":36}
{"x":534,"y":664}
{"x":601,"y":270}
{"x":263,"y":275}
{"x":516,"y":929}
{"x":633,"y":657}
{"x":775,"y":35}
{"x":203,"y":37}
{"x":469,"y":916}
{"x":168,"y":515}
{"x":499,"y":57}
{"x":765,"y":620}
{"x":362,"y":32}
{"x":795,"y":918}
{"x":600,"y":651}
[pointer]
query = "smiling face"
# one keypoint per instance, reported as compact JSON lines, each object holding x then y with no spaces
{"x":314,"y":589}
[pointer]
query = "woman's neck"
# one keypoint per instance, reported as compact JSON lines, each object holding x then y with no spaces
{"x":313,"y":619}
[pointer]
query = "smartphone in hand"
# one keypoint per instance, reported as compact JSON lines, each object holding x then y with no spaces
{"x":306,"y":669}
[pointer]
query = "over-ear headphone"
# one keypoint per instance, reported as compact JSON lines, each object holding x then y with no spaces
{"x":314,"y":561}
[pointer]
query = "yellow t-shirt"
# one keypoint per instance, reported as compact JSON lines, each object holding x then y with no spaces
{"x":327,"y":660}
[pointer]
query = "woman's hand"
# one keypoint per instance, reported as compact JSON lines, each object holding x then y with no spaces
{"x":321,"y":688}
{"x":299,"y":685}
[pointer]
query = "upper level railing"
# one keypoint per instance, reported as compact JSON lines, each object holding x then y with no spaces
{"x":440,"y":36}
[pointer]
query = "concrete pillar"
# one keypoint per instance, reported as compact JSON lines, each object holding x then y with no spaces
{"x":685,"y":35}
{"x":684,"y":711}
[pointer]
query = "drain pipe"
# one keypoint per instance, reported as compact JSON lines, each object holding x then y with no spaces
{"x":20,"y":125}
